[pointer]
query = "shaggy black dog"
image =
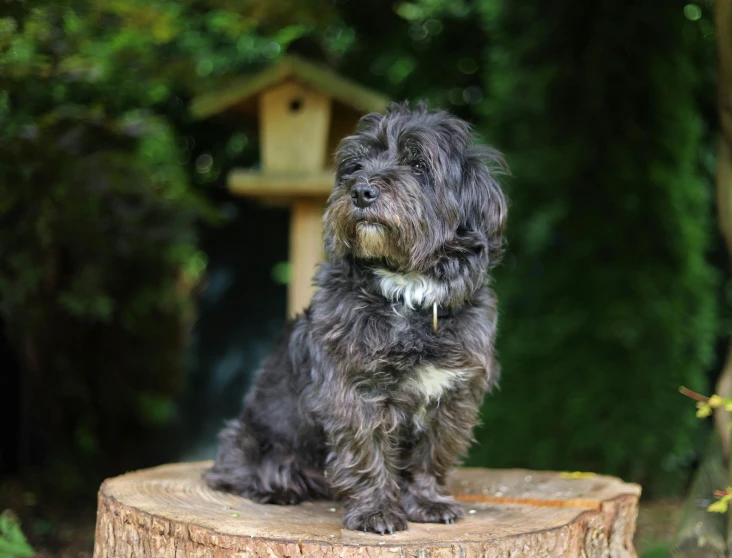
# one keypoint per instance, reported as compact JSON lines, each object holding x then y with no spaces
{"x":370,"y":395}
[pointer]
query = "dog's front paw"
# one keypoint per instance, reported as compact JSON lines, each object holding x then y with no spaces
{"x":434,"y":512}
{"x":277,"y":497}
{"x":383,"y":521}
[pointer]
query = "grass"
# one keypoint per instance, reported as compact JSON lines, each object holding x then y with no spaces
{"x":656,"y":527}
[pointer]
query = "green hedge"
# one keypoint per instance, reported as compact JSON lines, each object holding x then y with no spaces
{"x":607,"y":301}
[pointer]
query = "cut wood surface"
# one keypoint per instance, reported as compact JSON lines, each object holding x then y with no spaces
{"x":167,"y":511}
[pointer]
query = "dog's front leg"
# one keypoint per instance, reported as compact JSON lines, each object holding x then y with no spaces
{"x":362,"y":467}
{"x":443,"y":438}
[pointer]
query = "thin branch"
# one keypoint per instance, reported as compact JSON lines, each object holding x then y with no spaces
{"x":693,"y":395}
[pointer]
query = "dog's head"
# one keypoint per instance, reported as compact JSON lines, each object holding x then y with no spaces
{"x":413,"y":190}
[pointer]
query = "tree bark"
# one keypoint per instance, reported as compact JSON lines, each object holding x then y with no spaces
{"x":168,"y":512}
{"x":701,"y":533}
{"x":723,"y":23}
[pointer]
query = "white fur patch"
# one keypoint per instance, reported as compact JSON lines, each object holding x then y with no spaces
{"x":431,"y":382}
{"x":418,"y":419}
{"x":414,"y":289}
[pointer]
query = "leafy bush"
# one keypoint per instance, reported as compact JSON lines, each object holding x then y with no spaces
{"x":98,"y":251}
{"x":608,"y":303}
{"x":98,"y":248}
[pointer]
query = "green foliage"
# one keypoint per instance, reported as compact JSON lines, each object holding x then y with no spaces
{"x":423,"y":10}
{"x":98,"y":251}
{"x":282,"y":273}
{"x":133,"y":53}
{"x":660,"y":549}
{"x":96,"y":274}
{"x":421,"y":49}
{"x":608,"y":303}
{"x":721,"y":505}
{"x":13,"y":543}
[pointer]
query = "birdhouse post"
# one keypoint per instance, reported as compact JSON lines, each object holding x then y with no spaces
{"x":302,"y":110}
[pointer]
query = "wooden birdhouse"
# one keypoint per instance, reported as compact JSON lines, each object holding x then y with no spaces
{"x":301,"y":111}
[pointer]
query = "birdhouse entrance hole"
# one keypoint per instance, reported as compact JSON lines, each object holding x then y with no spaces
{"x":295,"y":105}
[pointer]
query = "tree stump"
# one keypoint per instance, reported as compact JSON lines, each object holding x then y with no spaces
{"x":168,"y":512}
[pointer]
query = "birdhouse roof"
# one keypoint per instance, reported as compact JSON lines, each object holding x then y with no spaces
{"x":320,"y":78}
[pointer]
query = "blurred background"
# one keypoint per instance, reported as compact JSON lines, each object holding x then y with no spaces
{"x":138,"y":295}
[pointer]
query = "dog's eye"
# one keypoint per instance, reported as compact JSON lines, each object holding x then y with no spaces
{"x":352,"y":168}
{"x":419,"y":167}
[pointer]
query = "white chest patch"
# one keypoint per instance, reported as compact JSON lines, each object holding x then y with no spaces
{"x":414,"y":289}
{"x":432,"y":382}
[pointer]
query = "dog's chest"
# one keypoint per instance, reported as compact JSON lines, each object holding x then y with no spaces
{"x":423,"y":385}
{"x":430,"y":382}
{"x":413,"y":289}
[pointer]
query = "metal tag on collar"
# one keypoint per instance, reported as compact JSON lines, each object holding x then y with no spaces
{"x":434,"y":317}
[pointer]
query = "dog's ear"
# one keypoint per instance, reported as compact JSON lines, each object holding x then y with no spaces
{"x":485,"y":207}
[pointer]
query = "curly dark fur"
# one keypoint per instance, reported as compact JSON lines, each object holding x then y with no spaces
{"x":361,"y":399}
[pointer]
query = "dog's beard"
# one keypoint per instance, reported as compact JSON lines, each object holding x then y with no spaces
{"x":371,"y":235}
{"x":372,"y":240}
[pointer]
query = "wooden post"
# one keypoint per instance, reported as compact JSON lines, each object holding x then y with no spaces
{"x":306,"y":251}
{"x":168,"y":512}
{"x":293,"y":110}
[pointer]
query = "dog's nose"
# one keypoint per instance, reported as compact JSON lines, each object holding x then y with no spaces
{"x":363,"y":195}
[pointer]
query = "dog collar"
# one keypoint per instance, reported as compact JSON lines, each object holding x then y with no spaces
{"x":436,"y":312}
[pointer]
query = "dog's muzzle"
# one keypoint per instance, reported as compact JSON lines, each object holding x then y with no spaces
{"x":363,"y":195}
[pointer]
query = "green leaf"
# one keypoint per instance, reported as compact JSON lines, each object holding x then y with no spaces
{"x":155,"y":409}
{"x":13,"y":543}
{"x":719,"y":506}
{"x":715,"y":401}
{"x":576,"y":475}
{"x":704,"y":411}
{"x":282,"y":273}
